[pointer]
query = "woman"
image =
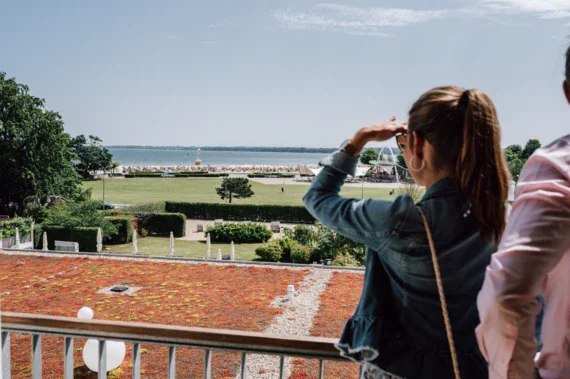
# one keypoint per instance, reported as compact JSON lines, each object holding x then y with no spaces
{"x":452,"y":147}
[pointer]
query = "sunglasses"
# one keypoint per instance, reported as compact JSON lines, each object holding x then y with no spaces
{"x":401,"y":141}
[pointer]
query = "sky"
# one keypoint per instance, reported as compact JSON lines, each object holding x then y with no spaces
{"x":282,"y":72}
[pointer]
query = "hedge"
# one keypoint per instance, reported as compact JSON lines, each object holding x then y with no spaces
{"x":177,"y":175}
{"x":239,"y":233}
{"x":162,"y":223}
{"x":86,"y":237}
{"x":274,"y":175}
{"x":124,"y":230}
{"x":200,"y":175}
{"x":157,"y":207}
{"x":242,"y":212}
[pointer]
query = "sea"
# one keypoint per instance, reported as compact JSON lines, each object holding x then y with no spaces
{"x":156,"y":157}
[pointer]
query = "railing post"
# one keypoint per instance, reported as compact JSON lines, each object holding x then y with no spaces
{"x":36,"y":356}
{"x":281,"y":367}
{"x":208,"y":364}
{"x":68,"y":358}
{"x":102,"y":370}
{"x":321,"y":368}
{"x":5,"y":355}
{"x":243,"y":365}
{"x":171,"y":362}
{"x":136,"y":361}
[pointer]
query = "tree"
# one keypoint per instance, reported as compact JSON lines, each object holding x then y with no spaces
{"x":516,"y":156}
{"x":400,"y":161}
{"x":90,"y":155}
{"x":529,"y":148}
{"x":516,"y":150}
{"x":84,"y":213}
{"x":114,"y":165}
{"x":368,"y":155}
{"x":35,"y":158}
{"x":238,"y":188}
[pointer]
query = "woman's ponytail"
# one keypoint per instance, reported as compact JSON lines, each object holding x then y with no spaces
{"x":480,"y":168}
{"x":463,"y":128}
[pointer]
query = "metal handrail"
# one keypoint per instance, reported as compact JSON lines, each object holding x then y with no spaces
{"x":172,"y":336}
{"x":219,"y":339}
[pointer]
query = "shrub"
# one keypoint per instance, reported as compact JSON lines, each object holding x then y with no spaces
{"x":305,"y":235}
{"x":85,"y":214}
{"x":345,"y":259}
{"x":86,"y":237}
{"x":162,"y":223}
{"x":300,"y":254}
{"x":239,"y":233}
{"x":269,"y":252}
{"x":242,"y":212}
{"x":37,"y":213}
{"x":287,"y":245}
{"x":328,"y":245}
{"x":8,"y":227}
{"x":124,"y":230}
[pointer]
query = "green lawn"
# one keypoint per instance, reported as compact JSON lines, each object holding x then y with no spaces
{"x":145,"y":190}
{"x":159,"y":246}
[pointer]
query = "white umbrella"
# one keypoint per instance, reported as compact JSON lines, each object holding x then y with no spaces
{"x":208,"y":242}
{"x":99,"y":240}
{"x":45,"y":242}
{"x":219,"y":257}
{"x":232,"y":251}
{"x":17,"y":246}
{"x":135,"y":249}
{"x":171,"y":244}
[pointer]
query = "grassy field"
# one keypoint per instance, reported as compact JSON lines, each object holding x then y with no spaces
{"x":159,"y":246}
{"x":145,"y":190}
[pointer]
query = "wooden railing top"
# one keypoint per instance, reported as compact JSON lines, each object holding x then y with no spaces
{"x":220,"y":339}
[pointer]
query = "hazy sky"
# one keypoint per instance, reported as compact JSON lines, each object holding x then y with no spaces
{"x":282,"y":73}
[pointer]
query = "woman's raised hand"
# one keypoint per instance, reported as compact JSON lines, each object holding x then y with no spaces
{"x":378,"y":132}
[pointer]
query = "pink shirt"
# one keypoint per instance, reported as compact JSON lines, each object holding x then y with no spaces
{"x":533,"y":259}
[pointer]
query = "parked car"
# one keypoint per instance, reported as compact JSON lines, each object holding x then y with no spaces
{"x":108,"y":206}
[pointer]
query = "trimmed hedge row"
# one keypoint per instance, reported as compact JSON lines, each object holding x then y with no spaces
{"x":162,"y":223}
{"x":200,"y":175}
{"x":86,"y":237}
{"x":124,"y":230}
{"x":242,"y":212}
{"x":266,"y":175}
{"x":177,"y":175}
{"x":239,"y":233}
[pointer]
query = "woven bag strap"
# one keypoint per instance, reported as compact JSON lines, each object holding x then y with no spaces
{"x":441,"y":296}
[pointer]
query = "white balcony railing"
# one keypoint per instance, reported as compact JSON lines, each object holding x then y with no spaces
{"x":246,"y":343}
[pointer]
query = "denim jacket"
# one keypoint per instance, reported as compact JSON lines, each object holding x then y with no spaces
{"x":398,"y":324}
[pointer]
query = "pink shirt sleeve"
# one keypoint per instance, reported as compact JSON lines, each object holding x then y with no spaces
{"x":535,"y":240}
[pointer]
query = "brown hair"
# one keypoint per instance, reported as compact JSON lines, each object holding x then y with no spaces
{"x":463,"y":128}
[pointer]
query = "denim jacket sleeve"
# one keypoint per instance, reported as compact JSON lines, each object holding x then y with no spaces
{"x":367,"y":221}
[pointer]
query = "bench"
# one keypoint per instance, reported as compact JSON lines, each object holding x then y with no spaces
{"x":67,"y":246}
{"x":276,"y":226}
{"x":199,"y":228}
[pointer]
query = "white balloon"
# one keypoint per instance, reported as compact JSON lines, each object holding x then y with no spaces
{"x":115,"y":354}
{"x":85,"y":313}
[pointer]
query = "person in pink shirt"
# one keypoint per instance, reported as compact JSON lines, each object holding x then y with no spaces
{"x":533,"y":259}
